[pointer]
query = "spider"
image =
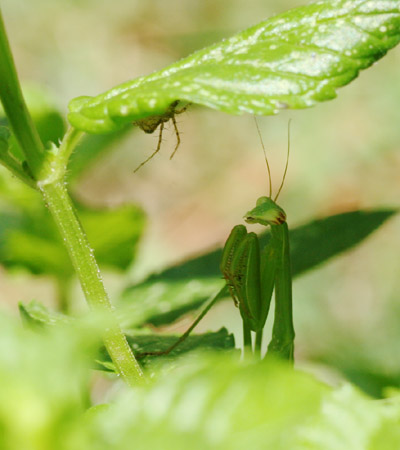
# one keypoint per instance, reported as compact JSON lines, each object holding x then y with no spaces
{"x":150,"y":124}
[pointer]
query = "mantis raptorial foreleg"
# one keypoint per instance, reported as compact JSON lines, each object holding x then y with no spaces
{"x":209,"y":304}
{"x":283,"y":330}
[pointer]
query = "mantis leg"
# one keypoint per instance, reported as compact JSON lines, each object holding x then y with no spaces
{"x":212,"y":301}
{"x":247,"y":345}
{"x":282,"y":343}
{"x":258,"y":343}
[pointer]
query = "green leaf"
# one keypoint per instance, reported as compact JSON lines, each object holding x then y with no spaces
{"x":36,"y":315}
{"x":207,"y":401}
{"x":44,"y":379}
{"x":388,"y":435}
{"x":292,"y":60}
{"x":113,"y":233}
{"x":215,"y":402}
{"x":29,"y":238}
{"x":39,"y":253}
{"x":348,"y":420}
{"x":165,"y":296}
{"x":160,"y":300}
{"x":320,"y":240}
{"x":219,"y":340}
{"x":218,"y":402}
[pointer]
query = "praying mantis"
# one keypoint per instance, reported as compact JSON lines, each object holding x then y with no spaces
{"x":252,"y":274}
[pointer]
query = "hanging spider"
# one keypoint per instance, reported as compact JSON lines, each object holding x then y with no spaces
{"x":150,"y":124}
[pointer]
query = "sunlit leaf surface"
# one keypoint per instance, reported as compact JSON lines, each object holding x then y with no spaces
{"x":292,"y":60}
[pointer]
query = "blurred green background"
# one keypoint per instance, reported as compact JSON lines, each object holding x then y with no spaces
{"x":345,"y":155}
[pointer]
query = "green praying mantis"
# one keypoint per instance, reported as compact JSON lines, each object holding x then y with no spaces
{"x":252,"y":274}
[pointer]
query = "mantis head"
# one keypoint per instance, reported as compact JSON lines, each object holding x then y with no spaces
{"x":266,"y":212}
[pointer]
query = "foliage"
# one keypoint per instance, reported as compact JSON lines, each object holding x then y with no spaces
{"x":292,"y":60}
{"x":28,"y":235}
{"x":201,"y":394}
{"x":206,"y":401}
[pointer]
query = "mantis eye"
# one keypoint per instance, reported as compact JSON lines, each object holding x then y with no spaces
{"x":267,"y":212}
{"x":262,"y":200}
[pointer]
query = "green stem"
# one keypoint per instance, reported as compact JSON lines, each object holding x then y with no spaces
{"x":247,"y":348}
{"x":258,"y":343}
{"x":16,"y":168}
{"x":59,"y":204}
{"x":68,"y":144}
{"x":48,"y":170}
{"x":15,"y":108}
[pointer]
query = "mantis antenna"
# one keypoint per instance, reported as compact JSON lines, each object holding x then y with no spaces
{"x":265,"y":155}
{"x":287,"y":163}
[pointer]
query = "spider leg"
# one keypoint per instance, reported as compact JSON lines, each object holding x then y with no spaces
{"x":182,"y":110}
{"x":178,"y":139}
{"x":155,"y":151}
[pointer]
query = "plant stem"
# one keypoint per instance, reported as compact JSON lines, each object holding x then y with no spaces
{"x":48,"y":172}
{"x":15,"y":108}
{"x":59,"y":204}
{"x":16,"y":168}
{"x":68,"y":144}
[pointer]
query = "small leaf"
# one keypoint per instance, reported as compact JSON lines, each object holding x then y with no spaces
{"x":34,"y":314}
{"x":113,"y":233}
{"x":29,"y":238}
{"x":219,"y":340}
{"x":292,"y":60}
{"x":165,"y":296}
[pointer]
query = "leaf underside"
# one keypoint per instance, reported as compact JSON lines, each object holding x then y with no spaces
{"x":292,"y":60}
